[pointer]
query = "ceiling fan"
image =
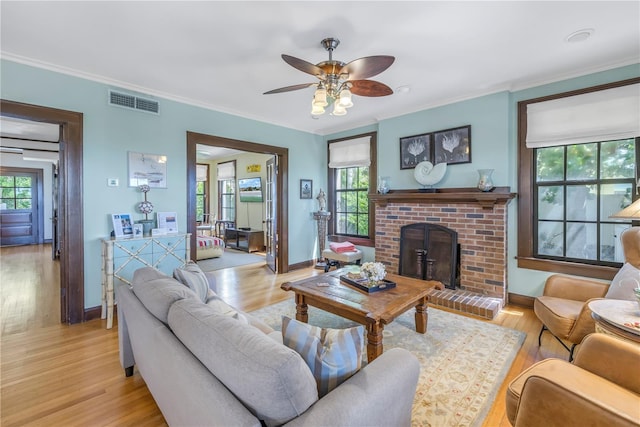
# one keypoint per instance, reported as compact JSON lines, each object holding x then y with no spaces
{"x":339,"y":80}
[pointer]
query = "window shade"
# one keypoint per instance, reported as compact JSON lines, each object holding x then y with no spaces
{"x":201,"y":172}
{"x":350,"y":153}
{"x":605,"y":115}
{"x":226,"y":170}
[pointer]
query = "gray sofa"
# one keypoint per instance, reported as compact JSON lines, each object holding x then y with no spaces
{"x":212,"y":366}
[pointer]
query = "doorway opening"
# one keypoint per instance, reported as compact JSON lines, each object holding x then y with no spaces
{"x":279,"y":204}
{"x":70,"y":219}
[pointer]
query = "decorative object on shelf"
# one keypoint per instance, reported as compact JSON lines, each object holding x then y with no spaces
{"x":383,"y":184}
{"x":415,"y":149}
{"x":338,"y":81}
{"x":452,"y":146}
{"x":373,"y":272}
{"x":146,"y":208}
{"x":485,"y":181}
{"x":321,"y":217}
{"x":322,"y":200}
{"x":427,"y":175}
{"x":149,"y":169}
{"x":306,"y":188}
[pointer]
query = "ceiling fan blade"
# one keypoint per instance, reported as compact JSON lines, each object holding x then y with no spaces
{"x":369,"y":88}
{"x":304,"y":66}
{"x":366,"y":67}
{"x":289,"y":88}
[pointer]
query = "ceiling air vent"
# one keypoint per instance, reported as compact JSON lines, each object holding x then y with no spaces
{"x":125,"y":100}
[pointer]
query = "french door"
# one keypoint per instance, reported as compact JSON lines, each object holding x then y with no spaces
{"x":20,"y":202}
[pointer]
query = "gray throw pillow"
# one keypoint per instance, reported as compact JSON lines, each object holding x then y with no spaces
{"x":191,"y":275}
{"x":624,"y":282}
{"x":157,"y":291}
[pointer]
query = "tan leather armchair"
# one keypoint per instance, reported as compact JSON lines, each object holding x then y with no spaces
{"x":563,"y":307}
{"x":600,"y":388}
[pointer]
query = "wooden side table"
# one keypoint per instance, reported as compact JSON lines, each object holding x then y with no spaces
{"x":620,"y":318}
{"x":122,"y":257}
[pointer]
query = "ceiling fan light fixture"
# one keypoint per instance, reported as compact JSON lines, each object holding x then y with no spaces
{"x":338,"y":110}
{"x":320,"y":97}
{"x":316,"y":110}
{"x":345,"y":98}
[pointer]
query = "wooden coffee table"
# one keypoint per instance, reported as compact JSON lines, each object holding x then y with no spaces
{"x":373,"y":310}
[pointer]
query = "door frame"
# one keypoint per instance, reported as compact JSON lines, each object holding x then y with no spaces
{"x":282,"y":177}
{"x":71,"y":201}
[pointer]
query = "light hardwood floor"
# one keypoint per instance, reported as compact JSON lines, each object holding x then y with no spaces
{"x":70,"y":375}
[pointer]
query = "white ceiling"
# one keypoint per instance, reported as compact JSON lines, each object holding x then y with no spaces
{"x":224,"y":55}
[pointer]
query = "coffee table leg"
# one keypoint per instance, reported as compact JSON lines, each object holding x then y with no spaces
{"x":374,"y":340}
{"x":421,"y":316}
{"x":302,"y":314}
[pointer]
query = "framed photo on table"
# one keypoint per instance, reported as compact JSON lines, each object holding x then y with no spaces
{"x":306,"y":188}
{"x":122,"y":225}
{"x":452,"y":146}
{"x":168,"y":221}
{"x":415,"y":149}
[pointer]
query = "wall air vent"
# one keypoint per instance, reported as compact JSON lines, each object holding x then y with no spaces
{"x":125,"y":100}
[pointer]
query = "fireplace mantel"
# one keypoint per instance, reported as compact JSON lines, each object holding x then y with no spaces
{"x":486,"y":199}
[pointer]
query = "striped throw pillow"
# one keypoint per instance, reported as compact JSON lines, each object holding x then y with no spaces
{"x":333,"y":355}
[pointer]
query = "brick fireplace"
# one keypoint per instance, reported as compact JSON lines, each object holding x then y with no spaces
{"x":479,"y":218}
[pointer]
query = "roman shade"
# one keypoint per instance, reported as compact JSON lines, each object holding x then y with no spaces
{"x":350,"y":153}
{"x":604,"y":115}
{"x":201,"y":172}
{"x":226,"y":170}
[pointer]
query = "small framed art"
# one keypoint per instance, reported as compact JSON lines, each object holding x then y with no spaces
{"x":306,"y":188}
{"x":415,"y":149}
{"x":122,"y":225}
{"x":452,"y":146}
{"x":168,"y":221}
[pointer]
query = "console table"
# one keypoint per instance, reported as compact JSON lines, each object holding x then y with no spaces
{"x":122,"y":257}
{"x":244,"y":240}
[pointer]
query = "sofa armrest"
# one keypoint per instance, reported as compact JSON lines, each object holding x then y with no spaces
{"x":620,"y":365}
{"x":574,"y":288}
{"x":380,"y":394}
{"x":571,"y":396}
{"x":584,"y":324}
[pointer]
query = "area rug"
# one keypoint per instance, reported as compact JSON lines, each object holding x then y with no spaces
{"x":464,"y":361}
{"x":230,"y":258}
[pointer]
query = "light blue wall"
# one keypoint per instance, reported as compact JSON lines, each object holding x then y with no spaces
{"x":110,"y":132}
{"x":494,"y":145}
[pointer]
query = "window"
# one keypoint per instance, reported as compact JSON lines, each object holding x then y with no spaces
{"x":352,"y":174}
{"x":202,"y":191}
{"x":577,"y":187}
{"x":577,"y":166}
{"x":227,"y":191}
{"x":16,"y":192}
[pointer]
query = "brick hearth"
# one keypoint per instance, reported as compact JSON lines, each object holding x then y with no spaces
{"x":480,"y":219}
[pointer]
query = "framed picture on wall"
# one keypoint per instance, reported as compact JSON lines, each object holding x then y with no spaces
{"x":415,"y":149}
{"x":149,"y":169}
{"x":306,"y":188}
{"x":452,"y":146}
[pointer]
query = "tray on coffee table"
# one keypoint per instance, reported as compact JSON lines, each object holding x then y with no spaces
{"x":383,"y":285}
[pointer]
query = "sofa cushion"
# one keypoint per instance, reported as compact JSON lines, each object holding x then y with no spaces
{"x":333,"y":355}
{"x":270,"y":379}
{"x":157,"y":291}
{"x":193,"y":277}
{"x":624,"y":282}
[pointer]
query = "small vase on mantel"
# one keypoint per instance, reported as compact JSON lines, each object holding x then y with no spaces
{"x":485,"y":181}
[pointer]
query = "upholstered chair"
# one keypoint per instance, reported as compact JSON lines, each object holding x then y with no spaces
{"x":600,"y":388}
{"x":563,"y":307}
